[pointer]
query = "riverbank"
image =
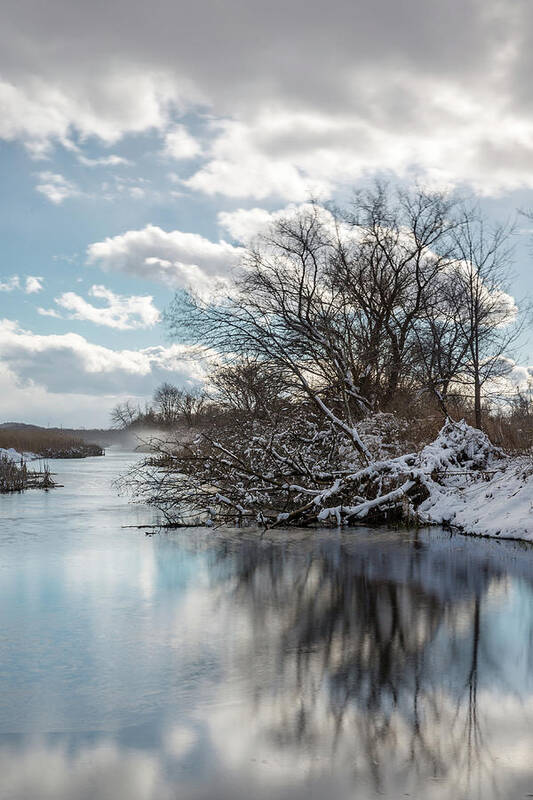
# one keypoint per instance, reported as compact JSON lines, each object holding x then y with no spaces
{"x":16,"y":477}
{"x":35,"y":442}
{"x":460,"y":479}
{"x":499,"y":506}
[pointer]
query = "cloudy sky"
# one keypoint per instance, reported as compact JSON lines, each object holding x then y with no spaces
{"x":140,"y":144}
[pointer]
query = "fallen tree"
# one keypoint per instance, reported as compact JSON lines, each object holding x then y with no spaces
{"x":301,"y":470}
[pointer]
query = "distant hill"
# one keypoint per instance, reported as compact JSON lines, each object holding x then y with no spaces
{"x":18,"y":425}
{"x":104,"y":437}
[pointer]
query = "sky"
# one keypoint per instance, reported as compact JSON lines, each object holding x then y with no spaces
{"x":141,"y":145}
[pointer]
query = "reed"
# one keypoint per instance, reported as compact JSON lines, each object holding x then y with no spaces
{"x":47,"y":444}
{"x":16,"y":477}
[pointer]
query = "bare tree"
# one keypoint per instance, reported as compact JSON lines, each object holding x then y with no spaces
{"x":386,"y":271}
{"x":248,"y":385}
{"x":403,"y":294}
{"x":125,"y":414}
{"x":286,"y":314}
{"x":191,"y":405}
{"x":167,"y":401}
{"x":441,"y":347}
{"x":487,"y":314}
{"x":174,"y":405}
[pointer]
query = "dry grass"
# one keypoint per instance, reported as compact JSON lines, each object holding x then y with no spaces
{"x":16,"y":477}
{"x":513,"y":432}
{"x":48,"y":444}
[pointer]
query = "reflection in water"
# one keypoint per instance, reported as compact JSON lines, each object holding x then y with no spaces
{"x":395,"y":676}
{"x":220,"y":665}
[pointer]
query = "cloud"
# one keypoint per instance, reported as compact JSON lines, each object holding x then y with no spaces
{"x":104,"y":161}
{"x":120,"y":312}
{"x":32,"y":284}
{"x":106,"y":102}
{"x":179,"y":144}
{"x":299,"y":98}
{"x":238,"y":167}
{"x":49,"y":312}
{"x":244,"y":224}
{"x":9,"y":284}
{"x":173,"y":258}
{"x":509,"y":379}
{"x":519,"y":376}
{"x":292,"y":155}
{"x":70,"y":364}
{"x":56,"y":187}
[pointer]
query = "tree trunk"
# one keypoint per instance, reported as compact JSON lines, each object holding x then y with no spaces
{"x":477,"y":401}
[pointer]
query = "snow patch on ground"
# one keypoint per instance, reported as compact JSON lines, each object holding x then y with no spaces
{"x":13,"y":455}
{"x":501,"y":506}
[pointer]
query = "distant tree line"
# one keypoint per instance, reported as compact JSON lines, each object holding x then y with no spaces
{"x":170,"y":407}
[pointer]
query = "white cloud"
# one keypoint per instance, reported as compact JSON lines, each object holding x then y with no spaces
{"x":292,"y":155}
{"x":244,"y":224}
{"x":33,"y":284}
{"x":179,"y":144}
{"x":49,"y":312}
{"x":70,"y":364}
{"x":121,"y":312}
{"x":106,"y":102}
{"x":104,"y":161}
{"x":174,"y":258}
{"x":520,"y":376}
{"x":237,"y":167}
{"x":39,"y":150}
{"x":443,"y":90}
{"x":510,"y":377}
{"x":56,"y":187}
{"x":9,"y":284}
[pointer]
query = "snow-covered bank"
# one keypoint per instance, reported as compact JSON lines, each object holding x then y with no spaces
{"x":15,"y":475}
{"x":468,"y":483}
{"x":501,"y":506}
{"x":16,"y":456}
{"x":303,"y":474}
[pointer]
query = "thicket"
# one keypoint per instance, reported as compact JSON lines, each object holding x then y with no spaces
{"x":397,"y":306}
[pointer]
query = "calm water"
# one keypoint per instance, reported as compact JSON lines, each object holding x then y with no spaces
{"x":201,"y":665}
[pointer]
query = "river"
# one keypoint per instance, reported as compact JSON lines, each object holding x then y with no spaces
{"x":218,"y":665}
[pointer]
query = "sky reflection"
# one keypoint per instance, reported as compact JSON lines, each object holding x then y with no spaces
{"x":211,"y":665}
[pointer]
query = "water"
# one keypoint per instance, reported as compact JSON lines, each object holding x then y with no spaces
{"x":203,"y":665}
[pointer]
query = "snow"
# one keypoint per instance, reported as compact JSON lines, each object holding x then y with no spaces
{"x":306,"y":473}
{"x":472,"y":485}
{"x":479,"y":490}
{"x":13,"y":455}
{"x":460,"y":447}
{"x":501,"y":506}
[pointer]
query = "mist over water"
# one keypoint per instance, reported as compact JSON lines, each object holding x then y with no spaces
{"x":218,"y":664}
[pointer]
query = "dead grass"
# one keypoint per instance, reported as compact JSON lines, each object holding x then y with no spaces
{"x":16,"y":477}
{"x":513,"y":432}
{"x":48,"y":444}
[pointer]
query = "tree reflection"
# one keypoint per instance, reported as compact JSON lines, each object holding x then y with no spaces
{"x":385,"y":657}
